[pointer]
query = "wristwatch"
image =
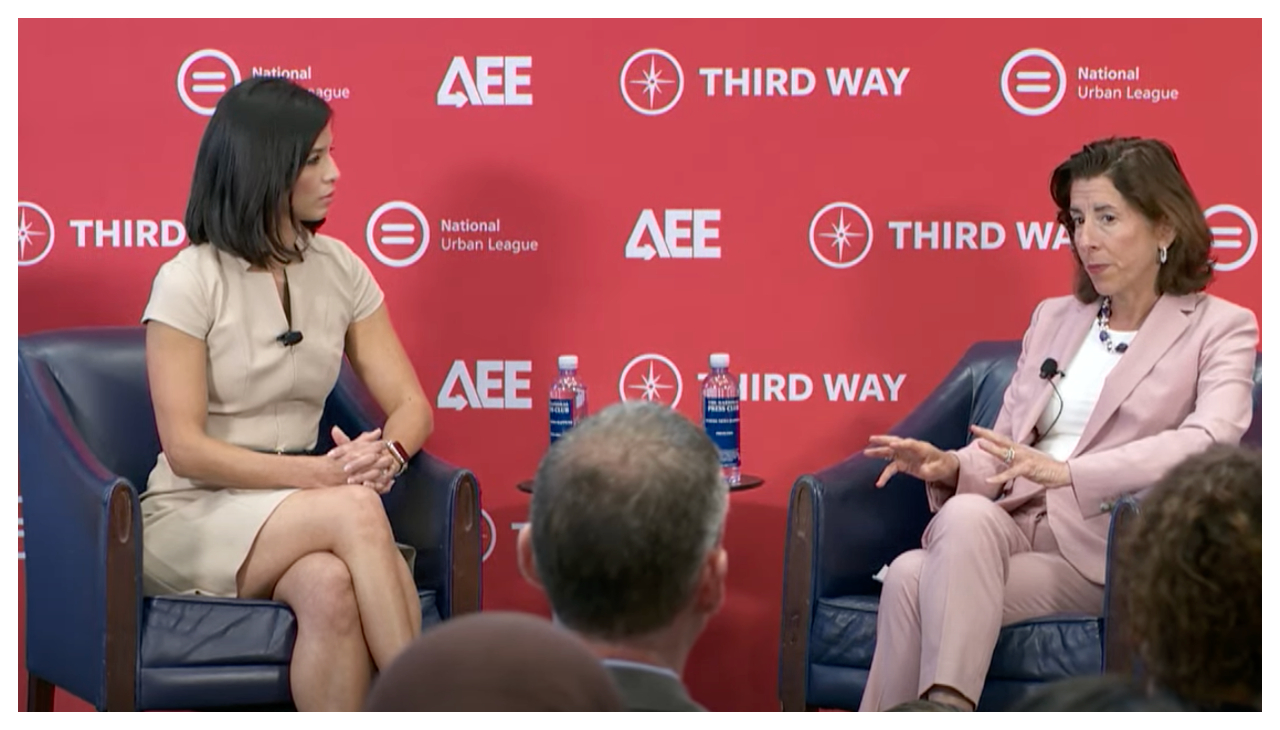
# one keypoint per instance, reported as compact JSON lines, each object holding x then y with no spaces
{"x":399,"y":454}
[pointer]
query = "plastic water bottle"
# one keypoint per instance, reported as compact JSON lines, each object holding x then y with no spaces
{"x":568,"y":402}
{"x":720,"y":415}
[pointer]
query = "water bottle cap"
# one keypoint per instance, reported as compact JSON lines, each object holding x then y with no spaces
{"x":720,"y":360}
{"x":568,"y":362}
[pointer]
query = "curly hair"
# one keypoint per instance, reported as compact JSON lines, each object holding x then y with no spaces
{"x":1194,"y":559}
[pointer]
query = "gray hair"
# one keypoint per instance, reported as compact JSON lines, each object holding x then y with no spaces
{"x":625,"y":509}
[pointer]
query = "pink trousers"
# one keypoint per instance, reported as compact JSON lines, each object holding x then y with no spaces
{"x":942,"y":607}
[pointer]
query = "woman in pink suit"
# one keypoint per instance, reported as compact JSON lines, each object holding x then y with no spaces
{"x":1149,"y":368}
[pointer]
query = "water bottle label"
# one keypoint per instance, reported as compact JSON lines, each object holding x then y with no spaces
{"x":720,"y":418}
{"x":562,"y":417}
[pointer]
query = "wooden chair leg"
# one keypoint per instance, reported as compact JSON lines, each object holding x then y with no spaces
{"x":39,"y":694}
{"x":466,"y":572}
{"x":797,"y":603}
{"x":122,"y":603}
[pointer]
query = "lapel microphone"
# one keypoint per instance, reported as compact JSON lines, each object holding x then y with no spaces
{"x":1048,"y":370}
{"x":290,"y":338}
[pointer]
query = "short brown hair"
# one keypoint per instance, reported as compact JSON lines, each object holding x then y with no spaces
{"x":1194,"y":559}
{"x":626,"y":508}
{"x":1147,"y":174}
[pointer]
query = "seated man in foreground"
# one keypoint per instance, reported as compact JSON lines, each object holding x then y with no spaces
{"x":625,"y":538}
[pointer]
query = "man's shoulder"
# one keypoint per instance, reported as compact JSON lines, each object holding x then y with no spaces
{"x":645,"y":690}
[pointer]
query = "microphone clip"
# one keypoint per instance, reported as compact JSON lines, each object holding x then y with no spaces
{"x":1049,"y":369}
{"x":290,"y":338}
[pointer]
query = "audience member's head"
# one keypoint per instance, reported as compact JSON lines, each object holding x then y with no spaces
{"x":497,"y":662}
{"x":1194,"y":561}
{"x":626,"y":520}
{"x":1096,"y":693}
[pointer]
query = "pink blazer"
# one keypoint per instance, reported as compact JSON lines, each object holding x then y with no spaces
{"x":1186,"y":382}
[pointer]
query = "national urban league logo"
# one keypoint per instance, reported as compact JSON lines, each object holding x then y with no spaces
{"x":653,"y":378}
{"x":1228,"y":224}
{"x":397,"y":234}
{"x":1039,"y":82}
{"x":651,"y":81}
{"x":35,"y":234}
{"x":204,"y":77}
{"x":840,"y":235}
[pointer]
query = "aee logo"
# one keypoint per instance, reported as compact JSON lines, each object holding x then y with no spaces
{"x":683,"y":234}
{"x":497,"y":81}
{"x":497,"y":384}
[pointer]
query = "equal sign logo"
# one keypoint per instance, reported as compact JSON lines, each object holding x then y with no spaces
{"x":397,"y":233}
{"x":1234,"y":234}
{"x":1033,"y":72}
{"x":204,"y":77}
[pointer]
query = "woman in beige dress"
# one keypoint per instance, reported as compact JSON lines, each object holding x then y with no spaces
{"x":246,"y":330}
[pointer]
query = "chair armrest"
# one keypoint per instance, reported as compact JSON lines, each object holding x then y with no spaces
{"x":841,"y":529}
{"x":83,"y":545}
{"x":436,"y":509}
{"x":434,"y":506}
{"x":1118,"y":646}
{"x":858,"y":528}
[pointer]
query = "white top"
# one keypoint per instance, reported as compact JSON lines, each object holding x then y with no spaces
{"x":719,"y":360}
{"x":1079,"y":388}
{"x":567,"y":362}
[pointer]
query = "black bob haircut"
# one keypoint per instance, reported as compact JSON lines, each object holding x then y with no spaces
{"x":250,"y":156}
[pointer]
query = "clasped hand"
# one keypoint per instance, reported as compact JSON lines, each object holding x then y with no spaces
{"x":363,"y":460}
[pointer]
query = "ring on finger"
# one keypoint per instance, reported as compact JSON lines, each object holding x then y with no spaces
{"x":1008,"y":455}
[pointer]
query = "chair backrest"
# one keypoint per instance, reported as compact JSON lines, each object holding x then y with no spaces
{"x":991,"y":366}
{"x":101,"y":375}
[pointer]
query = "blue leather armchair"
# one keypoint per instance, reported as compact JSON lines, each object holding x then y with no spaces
{"x":841,"y":530}
{"x":87,"y":441}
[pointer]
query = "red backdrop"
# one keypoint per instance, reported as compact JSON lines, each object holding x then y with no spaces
{"x":844,"y":206}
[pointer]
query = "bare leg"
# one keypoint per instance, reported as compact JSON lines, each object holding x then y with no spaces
{"x":350,"y":523}
{"x":411,"y":597}
{"x":330,"y":668}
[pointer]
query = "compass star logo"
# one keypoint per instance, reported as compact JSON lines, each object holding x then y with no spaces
{"x":651,"y":81}
{"x":840,"y":235}
{"x":651,"y":377}
{"x":35,"y":234}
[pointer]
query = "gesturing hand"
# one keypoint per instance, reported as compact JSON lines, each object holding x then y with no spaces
{"x":365,"y":459}
{"x":920,"y":459}
{"x":1022,"y":461}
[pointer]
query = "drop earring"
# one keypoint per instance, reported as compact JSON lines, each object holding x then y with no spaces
{"x":1164,"y":255}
